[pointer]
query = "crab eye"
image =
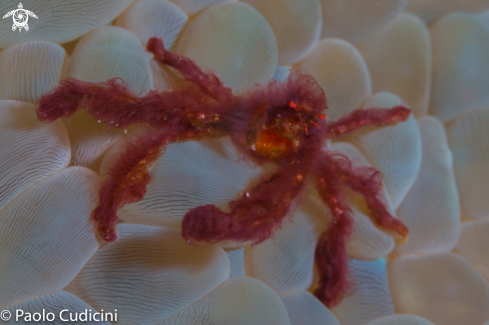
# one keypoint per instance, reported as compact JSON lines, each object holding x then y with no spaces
{"x":294,"y":105}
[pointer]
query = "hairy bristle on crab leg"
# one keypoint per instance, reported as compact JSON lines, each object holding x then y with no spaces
{"x":281,"y":122}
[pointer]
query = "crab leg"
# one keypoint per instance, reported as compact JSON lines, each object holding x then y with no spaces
{"x":368,"y":182}
{"x":208,"y":82}
{"x":112,"y":102}
{"x":367,"y":117}
{"x":253,"y":217}
{"x":128,"y":177}
{"x":127,"y":180}
{"x":334,"y":172}
{"x":330,"y":256}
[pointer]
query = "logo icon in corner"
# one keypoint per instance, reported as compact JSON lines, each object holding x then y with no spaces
{"x":20,"y":17}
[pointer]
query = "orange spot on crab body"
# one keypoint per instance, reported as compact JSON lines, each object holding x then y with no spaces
{"x":272,"y":145}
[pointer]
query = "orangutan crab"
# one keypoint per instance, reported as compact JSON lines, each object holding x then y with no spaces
{"x":282,"y":122}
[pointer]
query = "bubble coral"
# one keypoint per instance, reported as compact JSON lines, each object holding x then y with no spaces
{"x":434,"y":167}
